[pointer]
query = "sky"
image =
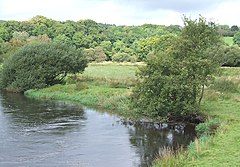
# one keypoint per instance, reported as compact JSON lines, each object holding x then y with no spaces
{"x":123,"y":12}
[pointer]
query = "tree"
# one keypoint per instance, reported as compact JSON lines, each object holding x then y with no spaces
{"x":236,"y":39}
{"x":121,"y":57}
{"x":19,"y":39}
{"x":82,"y":41}
{"x":146,"y":46}
{"x":63,"y":39}
{"x":224,"y":30}
{"x":226,"y":55}
{"x":172,"y":82}
{"x":4,"y":35}
{"x":107,"y":48}
{"x":39,"y":65}
{"x":234,"y":28}
{"x":95,"y":54}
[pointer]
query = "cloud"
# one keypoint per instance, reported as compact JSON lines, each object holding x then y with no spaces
{"x":122,"y":12}
{"x":182,"y":6}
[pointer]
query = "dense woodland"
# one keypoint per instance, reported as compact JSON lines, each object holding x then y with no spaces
{"x":103,"y":42}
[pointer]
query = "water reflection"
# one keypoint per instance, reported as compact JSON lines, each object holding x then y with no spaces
{"x":149,"y":138}
{"x":45,"y":133}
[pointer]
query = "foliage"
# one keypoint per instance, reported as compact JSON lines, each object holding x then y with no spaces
{"x":40,"y":65}
{"x":4,"y":35}
{"x":107,"y":48}
{"x":146,"y":46}
{"x":226,"y":55}
{"x":226,"y":31}
{"x":95,"y":54}
{"x":173,"y":82}
{"x":236,"y":38}
{"x":86,"y":34}
{"x":121,"y":57}
{"x":61,"y":38}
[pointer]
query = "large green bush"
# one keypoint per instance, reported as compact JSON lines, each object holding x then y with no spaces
{"x":172,"y":82}
{"x":40,"y":65}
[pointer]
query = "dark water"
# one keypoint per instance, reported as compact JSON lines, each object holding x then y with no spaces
{"x":43,"y":133}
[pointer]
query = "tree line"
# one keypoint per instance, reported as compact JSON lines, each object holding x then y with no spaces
{"x":103,"y":42}
{"x":98,"y":41}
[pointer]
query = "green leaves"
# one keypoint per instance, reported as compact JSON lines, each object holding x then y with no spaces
{"x":39,"y":65}
{"x":236,"y":38}
{"x":173,"y":79}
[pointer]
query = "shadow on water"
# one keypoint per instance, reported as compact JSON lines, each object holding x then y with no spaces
{"x":47,"y":133}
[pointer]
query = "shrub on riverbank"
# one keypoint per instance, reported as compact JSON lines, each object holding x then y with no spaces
{"x":40,"y":65}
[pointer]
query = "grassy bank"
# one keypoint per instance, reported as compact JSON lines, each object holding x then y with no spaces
{"x":222,"y":103}
{"x":104,"y":86}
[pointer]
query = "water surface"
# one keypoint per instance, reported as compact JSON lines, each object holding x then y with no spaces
{"x":47,"y":133}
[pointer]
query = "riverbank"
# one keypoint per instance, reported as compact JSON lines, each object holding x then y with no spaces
{"x":104,"y":86}
{"x":108,"y":86}
{"x":222,"y":105}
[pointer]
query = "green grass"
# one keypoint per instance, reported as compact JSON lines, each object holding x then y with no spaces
{"x":228,"y":40}
{"x":120,"y":71}
{"x":103,"y":86}
{"x":222,"y":148}
{"x":100,"y":96}
{"x":230,"y":71}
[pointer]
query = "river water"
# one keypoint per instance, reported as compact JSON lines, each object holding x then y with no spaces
{"x":50,"y":133}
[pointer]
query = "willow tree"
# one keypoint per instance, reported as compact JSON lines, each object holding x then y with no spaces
{"x":172,"y":82}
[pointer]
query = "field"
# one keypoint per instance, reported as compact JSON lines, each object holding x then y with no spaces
{"x":108,"y":86}
{"x":228,"y":40}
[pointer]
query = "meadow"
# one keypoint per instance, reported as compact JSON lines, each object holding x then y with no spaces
{"x":228,"y":40}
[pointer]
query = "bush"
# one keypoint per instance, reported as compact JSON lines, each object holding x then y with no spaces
{"x":226,"y":55}
{"x":40,"y":65}
{"x":123,"y":57}
{"x":236,"y":38}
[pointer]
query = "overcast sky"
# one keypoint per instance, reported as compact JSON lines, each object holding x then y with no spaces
{"x":123,"y":12}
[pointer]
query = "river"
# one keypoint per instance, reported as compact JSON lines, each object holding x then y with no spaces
{"x":52,"y":133}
